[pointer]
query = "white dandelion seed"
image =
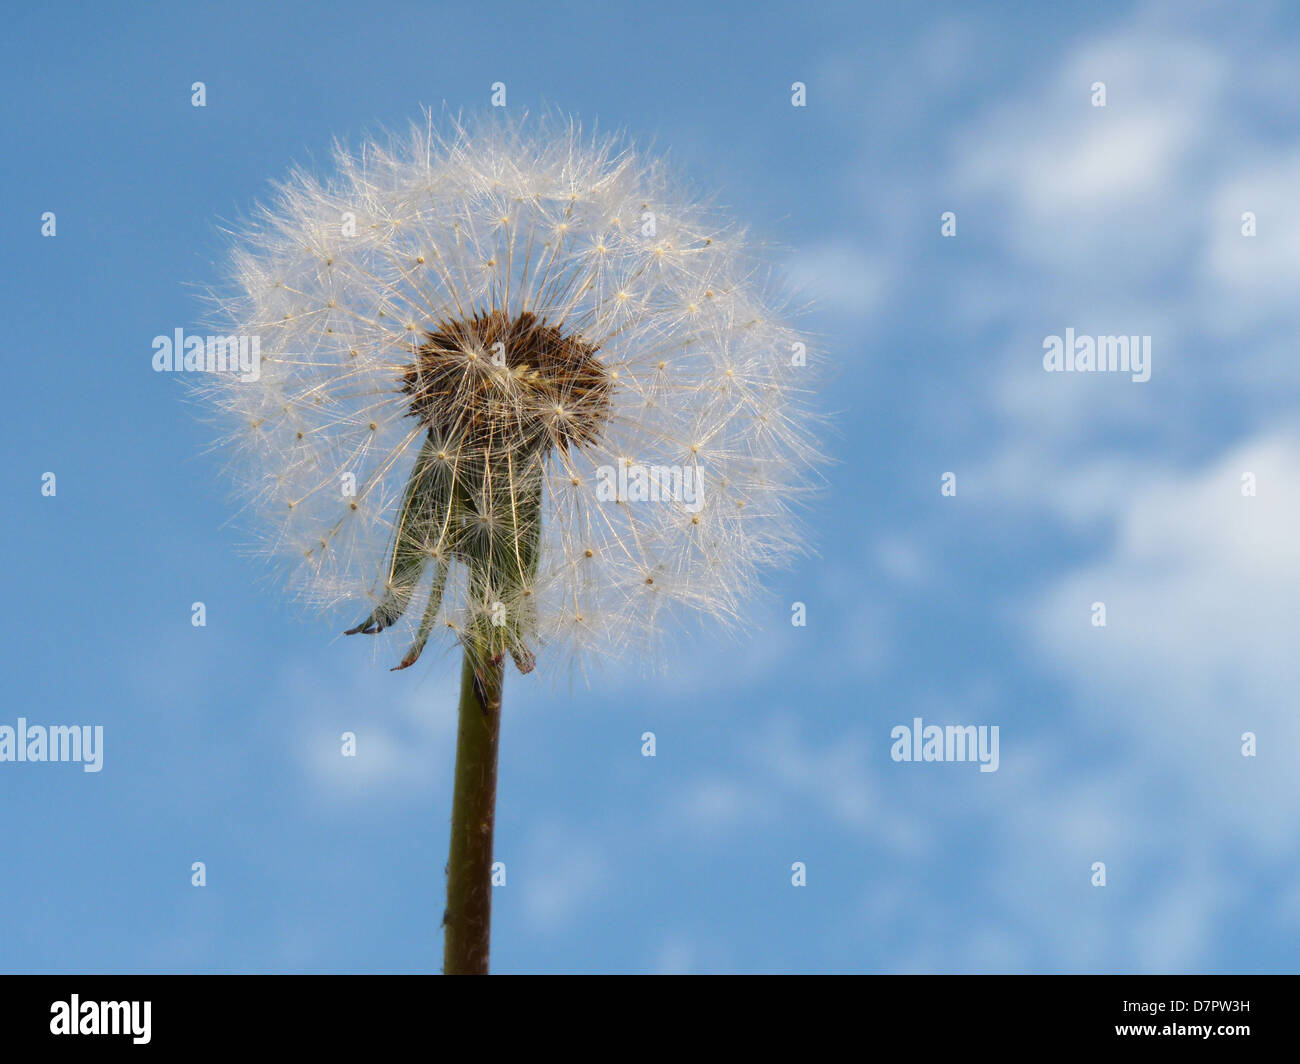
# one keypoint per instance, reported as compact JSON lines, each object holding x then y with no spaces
{"x":518,"y":392}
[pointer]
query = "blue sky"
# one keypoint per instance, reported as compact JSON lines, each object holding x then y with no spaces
{"x":1119,"y":744}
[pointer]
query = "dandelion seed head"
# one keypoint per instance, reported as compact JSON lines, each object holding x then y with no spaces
{"x":446,"y":380}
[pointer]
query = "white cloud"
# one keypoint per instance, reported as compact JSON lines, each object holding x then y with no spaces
{"x":405,"y":731}
{"x":1126,"y":219}
{"x":560,"y":874}
{"x":676,"y":956}
{"x":903,"y":561}
{"x":1262,"y":272}
{"x":1202,"y":588}
{"x":1052,"y":152}
{"x":839,"y":276}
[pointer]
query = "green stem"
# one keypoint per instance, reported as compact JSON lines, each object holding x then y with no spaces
{"x":468,"y":918}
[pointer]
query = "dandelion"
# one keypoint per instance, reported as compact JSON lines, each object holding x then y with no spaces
{"x":521,"y":394}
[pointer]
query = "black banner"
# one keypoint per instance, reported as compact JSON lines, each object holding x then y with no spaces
{"x":339,"y":1013}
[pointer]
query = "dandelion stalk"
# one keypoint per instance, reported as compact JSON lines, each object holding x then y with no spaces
{"x":468,"y":917}
{"x":498,"y":364}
